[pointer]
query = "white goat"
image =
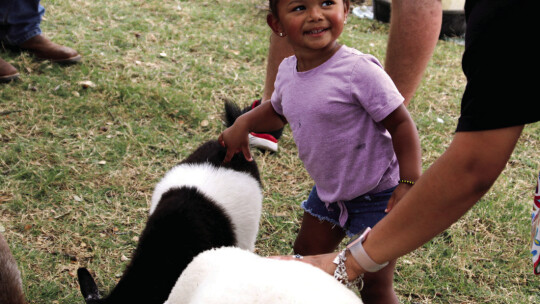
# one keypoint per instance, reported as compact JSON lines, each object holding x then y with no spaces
{"x":231,"y":275}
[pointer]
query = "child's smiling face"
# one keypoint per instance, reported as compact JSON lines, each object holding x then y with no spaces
{"x":310,"y":24}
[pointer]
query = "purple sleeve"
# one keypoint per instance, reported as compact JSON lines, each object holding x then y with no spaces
{"x":372,"y":87}
{"x":276,"y":95}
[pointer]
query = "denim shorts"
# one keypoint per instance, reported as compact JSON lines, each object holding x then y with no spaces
{"x":364,"y":211}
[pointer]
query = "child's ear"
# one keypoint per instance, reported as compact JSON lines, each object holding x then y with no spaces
{"x":274,"y":24}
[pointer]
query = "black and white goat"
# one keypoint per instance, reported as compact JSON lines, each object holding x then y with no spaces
{"x":200,"y":204}
{"x":197,"y":245}
{"x":11,"y":291}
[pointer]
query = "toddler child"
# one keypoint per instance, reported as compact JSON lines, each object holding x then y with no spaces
{"x":353,"y":133}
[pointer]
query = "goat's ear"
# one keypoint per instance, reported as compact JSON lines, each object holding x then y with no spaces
{"x":88,"y":286}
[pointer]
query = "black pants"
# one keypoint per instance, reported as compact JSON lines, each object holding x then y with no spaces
{"x":501,"y":64}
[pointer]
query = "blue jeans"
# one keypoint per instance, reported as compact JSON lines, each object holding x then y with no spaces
{"x":363,"y":211}
{"x":19,"y":20}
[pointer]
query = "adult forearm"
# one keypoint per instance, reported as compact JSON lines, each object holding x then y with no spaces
{"x":450,"y":187}
{"x":414,"y":30}
{"x":422,"y":214}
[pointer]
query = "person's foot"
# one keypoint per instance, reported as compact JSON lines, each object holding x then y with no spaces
{"x":7,"y":72}
{"x":43,"y":48}
{"x":264,"y":141}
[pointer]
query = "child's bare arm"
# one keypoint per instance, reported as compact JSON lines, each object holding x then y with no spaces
{"x":407,"y":148}
{"x":261,"y":119}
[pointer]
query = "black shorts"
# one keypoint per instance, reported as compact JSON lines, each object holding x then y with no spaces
{"x":501,"y":64}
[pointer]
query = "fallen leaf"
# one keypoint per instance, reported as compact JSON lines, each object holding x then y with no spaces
{"x":87,"y":84}
{"x":151,"y":37}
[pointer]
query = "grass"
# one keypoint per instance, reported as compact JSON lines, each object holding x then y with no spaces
{"x":79,"y":164}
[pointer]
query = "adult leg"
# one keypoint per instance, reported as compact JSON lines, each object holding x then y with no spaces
{"x":278,"y":50}
{"x":7,"y":72}
{"x":414,"y":32}
{"x":20,"y":28}
{"x":20,"y":20}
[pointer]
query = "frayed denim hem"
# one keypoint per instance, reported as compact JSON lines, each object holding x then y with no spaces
{"x":325,"y":218}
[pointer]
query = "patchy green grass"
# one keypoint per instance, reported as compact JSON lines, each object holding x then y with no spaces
{"x":78,"y":165}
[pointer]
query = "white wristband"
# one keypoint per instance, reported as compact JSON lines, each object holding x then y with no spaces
{"x":361,"y":256}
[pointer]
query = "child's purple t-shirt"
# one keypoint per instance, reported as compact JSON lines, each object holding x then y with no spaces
{"x":335,"y":112}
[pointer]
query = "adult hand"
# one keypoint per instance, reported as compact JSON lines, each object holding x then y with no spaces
{"x":322,"y":261}
{"x":325,"y":262}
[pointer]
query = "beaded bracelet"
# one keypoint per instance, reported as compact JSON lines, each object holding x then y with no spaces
{"x":404,"y":181}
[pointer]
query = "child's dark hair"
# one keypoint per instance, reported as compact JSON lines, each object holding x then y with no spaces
{"x":273,"y":7}
{"x":274,"y":10}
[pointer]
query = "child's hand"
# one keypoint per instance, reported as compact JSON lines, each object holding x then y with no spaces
{"x":397,"y":195}
{"x":236,"y":140}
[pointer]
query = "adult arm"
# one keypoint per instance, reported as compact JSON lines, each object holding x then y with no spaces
{"x":442,"y":195}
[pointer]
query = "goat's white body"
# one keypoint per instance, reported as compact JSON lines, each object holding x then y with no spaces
{"x":234,"y":276}
{"x":238,"y":193}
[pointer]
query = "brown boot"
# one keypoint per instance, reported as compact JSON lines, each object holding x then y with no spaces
{"x":43,"y":48}
{"x":7,"y":72}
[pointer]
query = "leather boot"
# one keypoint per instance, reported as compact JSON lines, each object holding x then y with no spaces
{"x":7,"y":71}
{"x":43,"y":48}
